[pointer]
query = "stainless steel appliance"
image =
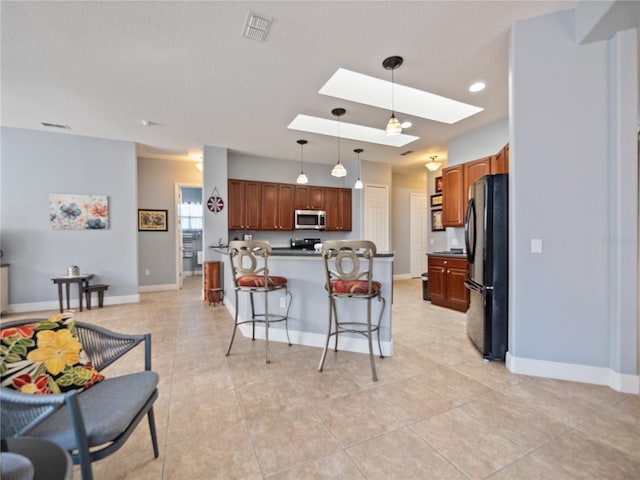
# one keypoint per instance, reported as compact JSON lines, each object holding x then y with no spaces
{"x":310,"y":219}
{"x":487,"y":243}
{"x":303,"y":243}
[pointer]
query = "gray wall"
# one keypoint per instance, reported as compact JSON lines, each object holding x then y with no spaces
{"x":35,"y":164}
{"x":573,"y":184}
{"x":157,"y":181}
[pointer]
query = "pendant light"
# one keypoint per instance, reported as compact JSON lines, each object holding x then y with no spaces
{"x":432,"y":165}
{"x":302,"y":178}
{"x":338,"y":169}
{"x":393,"y":126}
{"x":358,"y":185}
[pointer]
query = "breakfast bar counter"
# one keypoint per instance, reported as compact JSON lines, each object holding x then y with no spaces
{"x":309,"y":313}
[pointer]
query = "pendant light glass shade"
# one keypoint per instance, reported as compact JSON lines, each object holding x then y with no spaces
{"x":338,"y":170}
{"x":393,"y":125}
{"x":302,"y":178}
{"x":358,"y":185}
{"x":432,"y":165}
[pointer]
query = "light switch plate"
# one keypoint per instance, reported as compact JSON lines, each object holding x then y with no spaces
{"x":536,"y":245}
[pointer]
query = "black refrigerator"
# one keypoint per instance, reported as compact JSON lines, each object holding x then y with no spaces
{"x":487,"y":242}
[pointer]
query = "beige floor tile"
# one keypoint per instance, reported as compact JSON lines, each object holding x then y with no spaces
{"x":260,"y":400}
{"x":586,"y":458}
{"x":334,"y":466}
{"x":468,"y":444}
{"x":530,"y":468}
{"x":358,"y":416}
{"x":289,"y":439}
{"x":401,"y":455}
{"x":616,"y":431}
{"x":517,"y":421}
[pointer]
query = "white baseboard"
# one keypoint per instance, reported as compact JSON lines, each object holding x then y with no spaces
{"x":157,"y":288}
{"x":350,"y":344}
{"x":403,"y":276}
{"x":55,"y":305}
{"x":576,"y":373}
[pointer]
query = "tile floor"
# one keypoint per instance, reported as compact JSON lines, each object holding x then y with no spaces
{"x":438,"y":411}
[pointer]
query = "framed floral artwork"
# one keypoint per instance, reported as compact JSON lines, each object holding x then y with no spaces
{"x":78,"y":212}
{"x":436,"y":221}
{"x":152,"y":220}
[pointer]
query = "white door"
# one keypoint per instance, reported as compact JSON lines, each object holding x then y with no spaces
{"x":376,"y":215}
{"x":418,"y":228}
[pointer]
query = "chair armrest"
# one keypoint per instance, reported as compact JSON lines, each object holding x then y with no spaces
{"x":104,"y":346}
{"x":23,"y":411}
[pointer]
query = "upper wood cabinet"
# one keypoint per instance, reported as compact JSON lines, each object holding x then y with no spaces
{"x":309,"y":197}
{"x":500,"y":161}
{"x":456,"y":181}
{"x":277,"y":206}
{"x":337,"y":204}
{"x":244,"y":205}
{"x":452,"y":196}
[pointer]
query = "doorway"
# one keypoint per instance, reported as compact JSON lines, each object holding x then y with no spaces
{"x":418,"y":227}
{"x":189,"y":221}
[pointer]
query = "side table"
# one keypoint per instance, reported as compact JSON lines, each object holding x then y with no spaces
{"x":66,"y":280}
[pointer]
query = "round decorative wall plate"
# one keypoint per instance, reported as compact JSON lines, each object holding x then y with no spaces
{"x":215,"y":202}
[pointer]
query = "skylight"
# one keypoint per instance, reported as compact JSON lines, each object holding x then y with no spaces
{"x":367,"y":90}
{"x":325,"y":126}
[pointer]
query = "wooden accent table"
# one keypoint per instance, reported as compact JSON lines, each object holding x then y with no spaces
{"x":66,"y":280}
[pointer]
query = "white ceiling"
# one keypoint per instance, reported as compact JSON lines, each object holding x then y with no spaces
{"x":103,"y":67}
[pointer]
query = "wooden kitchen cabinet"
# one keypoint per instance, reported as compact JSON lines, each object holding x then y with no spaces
{"x":446,"y":282}
{"x":337,"y":204}
{"x":452,"y":196}
{"x":309,"y":197}
{"x":277,"y":206}
{"x":244,"y":204}
{"x":473,"y":171}
{"x":500,"y":162}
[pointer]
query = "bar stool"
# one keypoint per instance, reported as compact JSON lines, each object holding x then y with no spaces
{"x":251,"y":275}
{"x":348,"y":266}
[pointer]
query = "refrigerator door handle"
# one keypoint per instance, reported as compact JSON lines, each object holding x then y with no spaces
{"x":472,"y":286}
{"x":470,"y":230}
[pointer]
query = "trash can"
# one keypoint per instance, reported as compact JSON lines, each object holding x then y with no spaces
{"x":425,"y":286}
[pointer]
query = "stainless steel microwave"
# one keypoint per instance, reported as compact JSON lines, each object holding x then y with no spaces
{"x":310,"y":219}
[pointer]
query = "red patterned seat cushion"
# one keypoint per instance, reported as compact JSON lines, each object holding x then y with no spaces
{"x":360,"y":287}
{"x":257,"y":281}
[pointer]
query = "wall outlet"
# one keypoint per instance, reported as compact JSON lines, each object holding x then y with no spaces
{"x":536,"y":245}
{"x":283,"y":302}
{"x":147,"y":272}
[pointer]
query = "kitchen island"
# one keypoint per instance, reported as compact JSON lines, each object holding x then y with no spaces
{"x":309,"y":314}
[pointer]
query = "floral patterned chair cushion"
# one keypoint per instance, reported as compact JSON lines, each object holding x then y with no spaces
{"x":45,"y":357}
{"x":257,"y":281}
{"x":354,"y":287}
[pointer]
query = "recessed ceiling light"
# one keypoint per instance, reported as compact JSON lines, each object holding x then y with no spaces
{"x":406,"y":124}
{"x":324,"y":126}
{"x":477,"y":87}
{"x":360,"y":88}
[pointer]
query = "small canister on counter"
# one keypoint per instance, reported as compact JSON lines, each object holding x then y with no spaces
{"x":74,"y":271}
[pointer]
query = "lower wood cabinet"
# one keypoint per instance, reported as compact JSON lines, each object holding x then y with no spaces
{"x":446,"y":282}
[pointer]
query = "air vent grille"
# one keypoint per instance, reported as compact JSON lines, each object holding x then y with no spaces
{"x":55,"y":125}
{"x":406,"y":153}
{"x":256,"y":27}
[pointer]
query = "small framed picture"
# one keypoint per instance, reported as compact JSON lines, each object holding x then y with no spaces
{"x":438,"y":184}
{"x":436,"y":221}
{"x":436,"y":200}
{"x":152,"y":220}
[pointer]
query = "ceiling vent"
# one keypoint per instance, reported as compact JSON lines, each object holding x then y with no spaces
{"x":55,"y":125}
{"x":256,"y":27}
{"x":406,"y":153}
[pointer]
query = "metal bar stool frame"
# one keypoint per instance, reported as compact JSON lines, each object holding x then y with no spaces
{"x":250,"y":271}
{"x":348,"y":266}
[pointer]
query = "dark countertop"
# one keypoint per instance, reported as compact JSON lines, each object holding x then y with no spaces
{"x":446,"y":254}
{"x":288,"y":252}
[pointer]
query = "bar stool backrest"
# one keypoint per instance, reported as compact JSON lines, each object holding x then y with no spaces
{"x":349,"y":261}
{"x":249,"y":258}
